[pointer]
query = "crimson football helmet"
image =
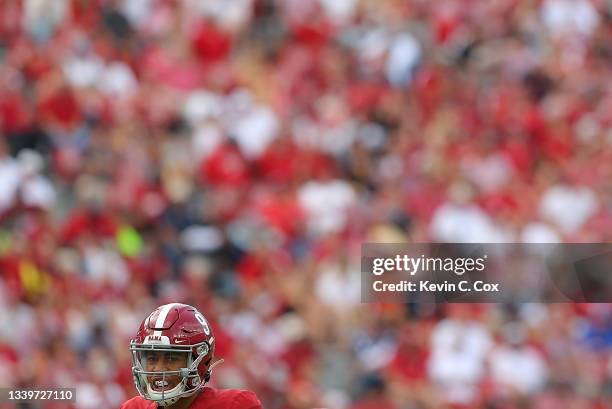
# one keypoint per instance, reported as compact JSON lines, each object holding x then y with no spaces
{"x":179,"y":335}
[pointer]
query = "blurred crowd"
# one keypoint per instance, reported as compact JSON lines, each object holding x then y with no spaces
{"x":235,"y":154}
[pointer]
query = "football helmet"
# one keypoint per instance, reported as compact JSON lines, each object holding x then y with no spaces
{"x":172,"y":354}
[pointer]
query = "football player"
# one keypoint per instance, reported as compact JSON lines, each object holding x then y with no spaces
{"x":172,"y":359}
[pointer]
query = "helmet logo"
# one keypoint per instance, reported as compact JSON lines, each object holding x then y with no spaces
{"x":157,"y":339}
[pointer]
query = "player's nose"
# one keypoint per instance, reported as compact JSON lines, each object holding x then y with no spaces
{"x":159,"y":366}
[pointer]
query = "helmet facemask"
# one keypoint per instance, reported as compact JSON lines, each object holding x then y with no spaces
{"x":167,"y":373}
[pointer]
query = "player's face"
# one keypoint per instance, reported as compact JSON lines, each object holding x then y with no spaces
{"x":164,"y":361}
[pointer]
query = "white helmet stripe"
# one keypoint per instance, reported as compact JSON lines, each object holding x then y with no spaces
{"x":161,"y":318}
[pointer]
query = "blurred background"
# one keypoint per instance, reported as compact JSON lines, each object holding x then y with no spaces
{"x":235,"y":154}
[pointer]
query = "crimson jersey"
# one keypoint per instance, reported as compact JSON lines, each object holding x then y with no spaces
{"x":208,"y":398}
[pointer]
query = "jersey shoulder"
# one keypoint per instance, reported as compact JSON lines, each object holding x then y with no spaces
{"x":138,"y":402}
{"x":211,"y":398}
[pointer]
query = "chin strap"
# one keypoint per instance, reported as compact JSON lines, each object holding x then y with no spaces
{"x":210,"y":368}
{"x":220,"y":361}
